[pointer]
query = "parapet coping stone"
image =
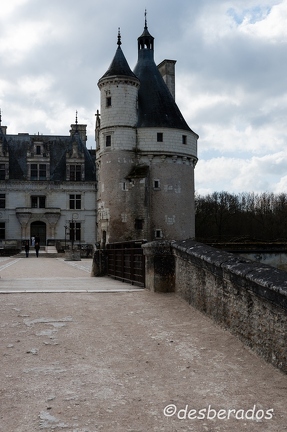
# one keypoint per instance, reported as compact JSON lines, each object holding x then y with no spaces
{"x":266,"y":281}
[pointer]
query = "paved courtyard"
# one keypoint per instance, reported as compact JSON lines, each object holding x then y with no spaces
{"x":87,"y":354}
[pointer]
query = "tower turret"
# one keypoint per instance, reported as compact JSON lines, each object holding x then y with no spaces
{"x":116,"y":132}
{"x":146,"y":153}
{"x":167,"y":146}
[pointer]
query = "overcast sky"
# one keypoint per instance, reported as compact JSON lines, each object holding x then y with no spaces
{"x":231,"y":75}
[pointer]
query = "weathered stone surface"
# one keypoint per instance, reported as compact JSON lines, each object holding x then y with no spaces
{"x":248,"y":298}
{"x":72,"y":255}
{"x":160,"y":266}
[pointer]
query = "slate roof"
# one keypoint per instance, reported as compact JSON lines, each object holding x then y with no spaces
{"x":157,"y":107}
{"x":57,"y":146}
{"x":119,"y":66}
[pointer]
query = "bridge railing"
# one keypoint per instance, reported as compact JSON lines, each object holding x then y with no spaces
{"x":126,"y":262}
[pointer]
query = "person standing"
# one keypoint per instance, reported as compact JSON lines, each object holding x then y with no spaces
{"x":27,"y":248}
{"x":37,"y":247}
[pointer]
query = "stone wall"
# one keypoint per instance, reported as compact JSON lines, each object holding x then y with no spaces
{"x":248,"y":298}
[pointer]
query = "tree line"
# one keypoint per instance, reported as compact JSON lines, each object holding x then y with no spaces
{"x":223,"y":216}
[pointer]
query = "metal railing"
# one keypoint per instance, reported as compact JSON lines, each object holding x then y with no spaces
{"x":125,"y":262}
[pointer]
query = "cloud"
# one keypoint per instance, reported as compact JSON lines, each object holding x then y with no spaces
{"x":230,"y":74}
{"x":257,"y":174}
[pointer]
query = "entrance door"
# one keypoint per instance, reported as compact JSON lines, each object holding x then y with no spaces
{"x":38,"y":229}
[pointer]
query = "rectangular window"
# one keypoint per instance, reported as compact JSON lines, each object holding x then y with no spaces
{"x":184,"y":139}
{"x":75,"y":172}
{"x":2,"y":230}
{"x":109,"y":101}
{"x":38,"y":201}
{"x":108,"y":140}
{"x":156,"y":184}
{"x":34,"y":172}
{"x":2,"y":201}
{"x":38,"y":172}
{"x":2,"y":171}
{"x":38,"y":150}
{"x":139,"y":224}
{"x":158,"y":233}
{"x":42,"y":172}
{"x":75,"y":202}
{"x":159,"y":137}
{"x":75,"y":231}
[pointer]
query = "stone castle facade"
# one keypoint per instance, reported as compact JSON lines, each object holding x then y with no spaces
{"x":140,"y":185}
{"x":47,"y":188}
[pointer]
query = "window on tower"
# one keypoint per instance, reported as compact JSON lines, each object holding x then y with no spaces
{"x":139,"y":224}
{"x":108,"y":101}
{"x":158,"y":233}
{"x":184,"y":139}
{"x":108,"y":140}
{"x":156,"y":184}
{"x":159,"y":137}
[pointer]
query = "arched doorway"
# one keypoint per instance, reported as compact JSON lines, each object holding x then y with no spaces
{"x":38,"y":229}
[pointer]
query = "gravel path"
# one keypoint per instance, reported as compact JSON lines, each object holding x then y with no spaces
{"x":113,"y":361}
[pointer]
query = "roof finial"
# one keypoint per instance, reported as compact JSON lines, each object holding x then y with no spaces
{"x":119,"y":37}
{"x":76,"y":121}
{"x":145,"y":19}
{"x":0,"y":116}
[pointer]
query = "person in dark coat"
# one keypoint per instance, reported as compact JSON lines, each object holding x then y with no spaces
{"x":37,"y":247}
{"x":27,"y":248}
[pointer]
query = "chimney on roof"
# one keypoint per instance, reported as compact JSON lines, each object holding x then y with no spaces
{"x":167,"y":70}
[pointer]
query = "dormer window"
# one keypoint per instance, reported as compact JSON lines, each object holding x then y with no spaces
{"x":38,"y":172}
{"x":75,"y":172}
{"x":38,"y":149}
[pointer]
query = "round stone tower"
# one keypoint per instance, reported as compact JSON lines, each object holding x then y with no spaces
{"x":146,"y":154}
{"x":116,"y":142}
{"x":168,"y":146}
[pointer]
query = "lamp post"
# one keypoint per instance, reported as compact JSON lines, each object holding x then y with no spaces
{"x":66,"y":227}
{"x":72,"y":233}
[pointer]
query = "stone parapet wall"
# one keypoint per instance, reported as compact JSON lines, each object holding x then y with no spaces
{"x":248,"y":298}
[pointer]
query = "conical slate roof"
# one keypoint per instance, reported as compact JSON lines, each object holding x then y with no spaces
{"x":119,"y":65}
{"x":156,"y":105}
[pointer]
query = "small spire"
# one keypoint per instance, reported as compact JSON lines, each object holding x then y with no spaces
{"x":145,"y":19}
{"x":0,"y":116}
{"x":76,"y":117}
{"x":119,"y":37}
